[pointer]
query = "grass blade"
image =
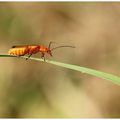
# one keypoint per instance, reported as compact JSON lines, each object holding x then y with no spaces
{"x":103,"y":75}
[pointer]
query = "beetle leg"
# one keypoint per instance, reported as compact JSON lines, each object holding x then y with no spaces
{"x":28,"y":56}
{"x":43,"y":56}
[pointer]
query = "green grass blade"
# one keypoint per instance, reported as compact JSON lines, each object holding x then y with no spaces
{"x":7,"y":56}
{"x":89,"y":71}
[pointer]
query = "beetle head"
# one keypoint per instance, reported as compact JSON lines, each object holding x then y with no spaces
{"x":49,"y":52}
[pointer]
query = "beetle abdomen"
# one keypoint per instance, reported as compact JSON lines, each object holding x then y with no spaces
{"x":17,"y":51}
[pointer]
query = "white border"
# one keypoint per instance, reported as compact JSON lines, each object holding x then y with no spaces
{"x":59,"y":0}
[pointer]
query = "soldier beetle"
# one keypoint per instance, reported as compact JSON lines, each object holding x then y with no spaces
{"x":33,"y":49}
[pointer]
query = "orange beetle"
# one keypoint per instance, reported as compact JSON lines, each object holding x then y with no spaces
{"x":33,"y":49}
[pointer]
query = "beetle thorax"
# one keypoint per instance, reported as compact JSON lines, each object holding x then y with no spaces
{"x":43,"y":49}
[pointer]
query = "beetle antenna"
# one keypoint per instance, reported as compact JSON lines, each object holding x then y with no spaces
{"x":50,"y":45}
{"x":62,"y":46}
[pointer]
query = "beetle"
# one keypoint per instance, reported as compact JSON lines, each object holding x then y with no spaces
{"x":33,"y":49}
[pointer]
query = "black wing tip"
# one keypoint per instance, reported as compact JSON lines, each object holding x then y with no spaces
{"x":13,"y":46}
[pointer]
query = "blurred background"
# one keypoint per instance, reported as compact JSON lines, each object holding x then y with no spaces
{"x":31,"y":89}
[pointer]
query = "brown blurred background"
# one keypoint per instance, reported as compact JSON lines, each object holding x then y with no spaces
{"x":30,"y":89}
